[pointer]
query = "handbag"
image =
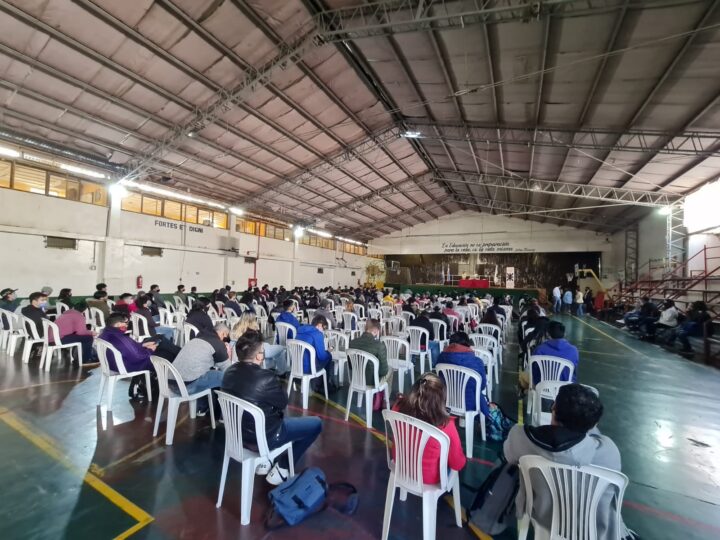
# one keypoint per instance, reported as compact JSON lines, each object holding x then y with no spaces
{"x":305,"y":494}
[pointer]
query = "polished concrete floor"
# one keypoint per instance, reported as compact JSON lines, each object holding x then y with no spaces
{"x":73,"y":470}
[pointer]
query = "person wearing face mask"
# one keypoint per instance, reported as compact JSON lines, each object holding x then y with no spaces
{"x":135,"y":356}
{"x":36,"y":310}
{"x":369,"y":342}
{"x":198,"y":315}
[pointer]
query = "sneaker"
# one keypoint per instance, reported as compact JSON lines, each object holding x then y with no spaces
{"x":263,"y":467}
{"x":620,"y":321}
{"x":202,"y":412}
{"x":277,"y":475}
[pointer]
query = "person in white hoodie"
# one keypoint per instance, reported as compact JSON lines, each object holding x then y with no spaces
{"x":571,"y":439}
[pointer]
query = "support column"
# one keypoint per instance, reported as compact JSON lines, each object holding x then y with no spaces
{"x":631,"y":254}
{"x":675,"y":238}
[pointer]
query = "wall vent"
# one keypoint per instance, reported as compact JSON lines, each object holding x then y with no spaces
{"x":152,"y":251}
{"x":58,"y":242}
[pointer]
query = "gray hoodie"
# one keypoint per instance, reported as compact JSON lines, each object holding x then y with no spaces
{"x":562,"y":445}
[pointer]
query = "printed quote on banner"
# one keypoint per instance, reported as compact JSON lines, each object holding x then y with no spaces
{"x":484,"y":247}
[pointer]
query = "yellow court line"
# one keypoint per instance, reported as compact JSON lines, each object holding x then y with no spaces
{"x":48,"y":446}
{"x":354,"y":416}
{"x":521,"y":414}
{"x":610,"y":337}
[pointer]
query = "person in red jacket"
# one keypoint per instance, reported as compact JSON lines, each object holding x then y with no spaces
{"x":426,"y":402}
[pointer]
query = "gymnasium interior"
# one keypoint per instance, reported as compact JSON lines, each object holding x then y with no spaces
{"x":390,"y":158}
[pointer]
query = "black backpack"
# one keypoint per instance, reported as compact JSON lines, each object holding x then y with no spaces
{"x":493,"y":509}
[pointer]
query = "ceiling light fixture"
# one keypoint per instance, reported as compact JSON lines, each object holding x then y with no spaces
{"x":412,"y":134}
{"x":237,"y":211}
{"x":9,"y":152}
{"x":665,"y":210}
{"x":118,"y":191}
{"x":298,"y":231}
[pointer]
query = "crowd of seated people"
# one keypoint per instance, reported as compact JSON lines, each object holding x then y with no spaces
{"x":243,"y":362}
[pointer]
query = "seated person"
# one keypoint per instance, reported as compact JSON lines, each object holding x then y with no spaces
{"x":202,"y":361}
{"x":135,"y":356}
{"x":350,"y":308}
{"x":180,"y":293}
{"x":460,"y":353}
{"x":698,"y":323}
{"x":35,"y":311}
{"x":233,"y":304}
{"x":649,"y":314}
{"x":125,"y":304}
{"x":423,"y":321}
{"x":538,"y":326}
{"x":571,"y":439}
{"x":8,"y":300}
{"x":369,"y":342}
{"x":426,"y":402}
{"x":287,"y":317}
{"x":198,"y":315}
{"x":275,"y":355}
{"x":65,"y":296}
{"x":324,"y":310}
{"x":247,"y":380}
{"x":312,"y":334}
{"x":73,"y":329}
{"x":668,"y":320}
{"x":99,"y":301}
{"x":440,"y":316}
{"x":558,"y":346}
{"x":144,"y":309}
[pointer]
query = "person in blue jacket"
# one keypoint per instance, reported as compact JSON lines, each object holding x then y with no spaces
{"x":460,"y":353}
{"x":312,"y":334}
{"x":287,"y":317}
{"x":558,"y":346}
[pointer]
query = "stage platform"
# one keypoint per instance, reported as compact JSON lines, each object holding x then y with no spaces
{"x":433,"y":288}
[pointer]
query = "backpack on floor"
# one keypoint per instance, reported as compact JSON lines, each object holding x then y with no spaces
{"x":498,"y":424}
{"x":303,"y":495}
{"x":493,"y":509}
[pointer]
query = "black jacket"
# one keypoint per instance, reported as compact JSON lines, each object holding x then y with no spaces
{"x":36,"y":315}
{"x":200,"y":320}
{"x":260,"y":387}
{"x":424,"y":322}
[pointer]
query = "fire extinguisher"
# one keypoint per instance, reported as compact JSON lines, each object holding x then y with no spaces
{"x":138,"y":282}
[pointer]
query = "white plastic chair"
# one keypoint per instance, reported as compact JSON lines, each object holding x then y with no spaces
{"x":399,"y":359}
{"x":374,"y":313}
{"x":140,"y":330}
{"x":359,"y":310}
{"x":165,"y":371}
{"x":488,"y":342}
{"x":96,"y":318}
{"x":111,"y":304}
{"x":310,"y":314}
{"x":441,"y":333}
{"x":52,"y":333}
{"x":409,"y":439}
{"x":454,"y":323}
{"x":220,"y":308}
{"x":387,"y":312}
{"x":551,"y":368}
{"x":296,"y":351}
{"x":284,"y":331}
{"x":350,"y":320}
{"x":576,"y":493}
{"x":339,"y":342}
{"x":408,"y":316}
{"x":456,"y":380}
{"x":111,"y":377}
{"x":189,"y":332}
{"x":32,"y":337}
{"x":489,"y":330}
{"x":547,"y":390}
{"x":179,"y":304}
{"x":13,"y":331}
{"x":358,"y":383}
{"x":60,"y":308}
{"x":416,"y":338}
{"x":233,"y":409}
{"x":491,"y":366}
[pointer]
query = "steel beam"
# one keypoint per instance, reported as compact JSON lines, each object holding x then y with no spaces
{"x":382,"y":18}
{"x":685,"y":143}
{"x":651,"y":199}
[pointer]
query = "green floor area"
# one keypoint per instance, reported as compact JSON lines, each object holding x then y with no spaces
{"x":661,"y":410}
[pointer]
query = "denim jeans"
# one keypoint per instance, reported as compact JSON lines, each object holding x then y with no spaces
{"x":579,"y":311}
{"x":211,"y":379}
{"x":166,"y":331}
{"x":557,"y":304}
{"x":275,"y":358}
{"x":301,"y":431}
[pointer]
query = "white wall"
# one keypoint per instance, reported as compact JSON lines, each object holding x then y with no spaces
{"x":471,"y":232}
{"x":110,"y":244}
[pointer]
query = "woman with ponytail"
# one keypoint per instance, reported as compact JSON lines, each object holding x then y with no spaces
{"x":426,"y":402}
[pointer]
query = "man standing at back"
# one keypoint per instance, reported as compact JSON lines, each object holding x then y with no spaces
{"x":572,"y":438}
{"x":369,"y":342}
{"x":247,"y":380}
{"x":557,"y":299}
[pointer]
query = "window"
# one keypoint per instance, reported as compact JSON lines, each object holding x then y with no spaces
{"x":29,"y":179}
{"x":151,"y":206}
{"x":205,"y":217}
{"x":220,"y":220}
{"x":191,"y":214}
{"x":132,"y":203}
{"x":5,"y":170}
{"x":173,"y":210}
{"x":58,"y":242}
{"x":245,"y":226}
{"x":65,"y":188}
{"x":93,"y":193}
{"x":261,"y":229}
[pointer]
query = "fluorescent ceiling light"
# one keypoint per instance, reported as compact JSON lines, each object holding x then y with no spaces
{"x":171,"y":194}
{"x":118,"y":191}
{"x":237,"y":211}
{"x":324,"y":234}
{"x":298,"y":231}
{"x":665,"y":210}
{"x":412,"y":134}
{"x":9,"y":152}
{"x":81,"y":170}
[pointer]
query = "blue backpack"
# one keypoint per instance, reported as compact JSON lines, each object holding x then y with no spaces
{"x":305,"y":494}
{"x":498,"y":424}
